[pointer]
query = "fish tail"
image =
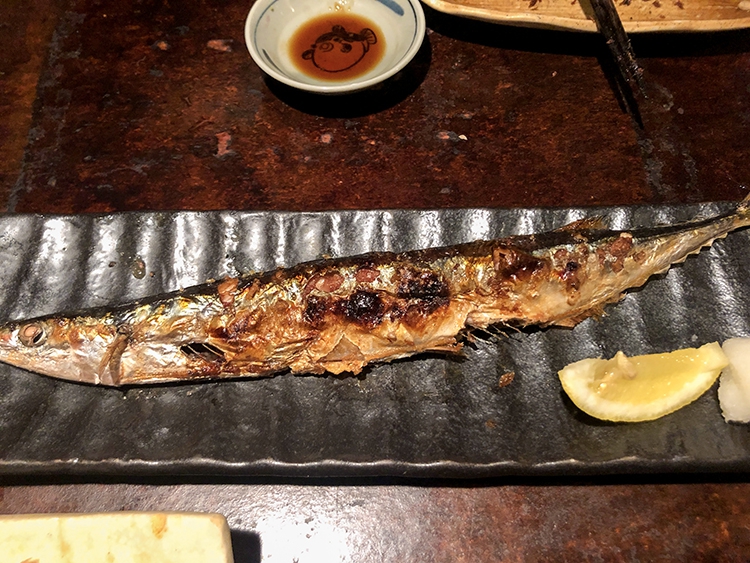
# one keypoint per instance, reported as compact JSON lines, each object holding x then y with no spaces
{"x":724,"y":224}
{"x":743,"y":211}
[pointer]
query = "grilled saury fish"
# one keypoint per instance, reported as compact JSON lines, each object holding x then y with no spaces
{"x":339,"y":315}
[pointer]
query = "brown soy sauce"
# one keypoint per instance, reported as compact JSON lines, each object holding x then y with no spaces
{"x":337,"y":47}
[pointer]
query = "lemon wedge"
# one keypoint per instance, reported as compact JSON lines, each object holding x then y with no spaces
{"x":642,"y":387}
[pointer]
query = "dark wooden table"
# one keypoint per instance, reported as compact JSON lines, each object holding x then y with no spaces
{"x":132,"y":105}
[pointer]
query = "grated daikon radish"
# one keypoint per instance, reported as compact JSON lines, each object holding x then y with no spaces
{"x":734,"y":382}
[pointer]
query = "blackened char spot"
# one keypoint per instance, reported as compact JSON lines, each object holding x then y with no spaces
{"x":570,"y":275}
{"x":315,"y":310}
{"x":365,"y":308}
{"x":424,"y":285}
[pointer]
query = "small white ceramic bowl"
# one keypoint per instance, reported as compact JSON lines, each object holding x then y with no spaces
{"x":271,"y":24}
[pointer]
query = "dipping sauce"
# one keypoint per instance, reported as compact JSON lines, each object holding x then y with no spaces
{"x":337,"y":47}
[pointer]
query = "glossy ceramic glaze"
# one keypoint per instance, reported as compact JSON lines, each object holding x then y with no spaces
{"x":271,"y":25}
{"x":428,"y":416}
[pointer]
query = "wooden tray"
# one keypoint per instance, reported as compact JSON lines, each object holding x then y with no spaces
{"x":637,"y":15}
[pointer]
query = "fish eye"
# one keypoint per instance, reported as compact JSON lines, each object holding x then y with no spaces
{"x":32,"y":335}
{"x":346,"y":47}
{"x":326,"y":46}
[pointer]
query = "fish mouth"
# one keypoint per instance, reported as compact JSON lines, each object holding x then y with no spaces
{"x":57,"y":348}
{"x":6,"y":333}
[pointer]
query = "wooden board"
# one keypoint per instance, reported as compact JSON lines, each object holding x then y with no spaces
{"x":637,"y":15}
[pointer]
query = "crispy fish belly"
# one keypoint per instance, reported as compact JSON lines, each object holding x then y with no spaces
{"x":340,"y":315}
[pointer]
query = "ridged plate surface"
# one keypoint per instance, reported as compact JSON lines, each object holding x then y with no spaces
{"x":429,"y":416}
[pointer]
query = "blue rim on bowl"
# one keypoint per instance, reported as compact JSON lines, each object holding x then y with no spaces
{"x":271,"y":23}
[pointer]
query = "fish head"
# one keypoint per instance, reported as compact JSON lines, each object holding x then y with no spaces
{"x":149,"y":343}
{"x":72,"y":348}
{"x":104,"y":351}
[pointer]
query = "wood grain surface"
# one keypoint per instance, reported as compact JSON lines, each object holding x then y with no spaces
{"x":638,"y":16}
{"x":143,"y":105}
{"x":442,"y":524}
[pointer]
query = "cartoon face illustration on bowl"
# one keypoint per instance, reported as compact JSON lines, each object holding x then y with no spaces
{"x":339,"y":50}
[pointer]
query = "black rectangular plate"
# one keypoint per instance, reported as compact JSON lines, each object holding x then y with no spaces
{"x":430,"y":416}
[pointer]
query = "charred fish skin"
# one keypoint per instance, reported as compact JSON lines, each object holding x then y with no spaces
{"x":341,"y":315}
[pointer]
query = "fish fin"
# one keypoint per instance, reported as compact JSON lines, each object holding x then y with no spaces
{"x":450,"y":347}
{"x":496,"y":333}
{"x":345,"y":351}
{"x":290,"y":349}
{"x":594,"y":223}
{"x":597,"y":311}
{"x":743,"y":208}
{"x":568,"y":322}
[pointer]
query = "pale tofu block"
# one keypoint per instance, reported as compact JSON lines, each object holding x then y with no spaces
{"x":116,"y":537}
